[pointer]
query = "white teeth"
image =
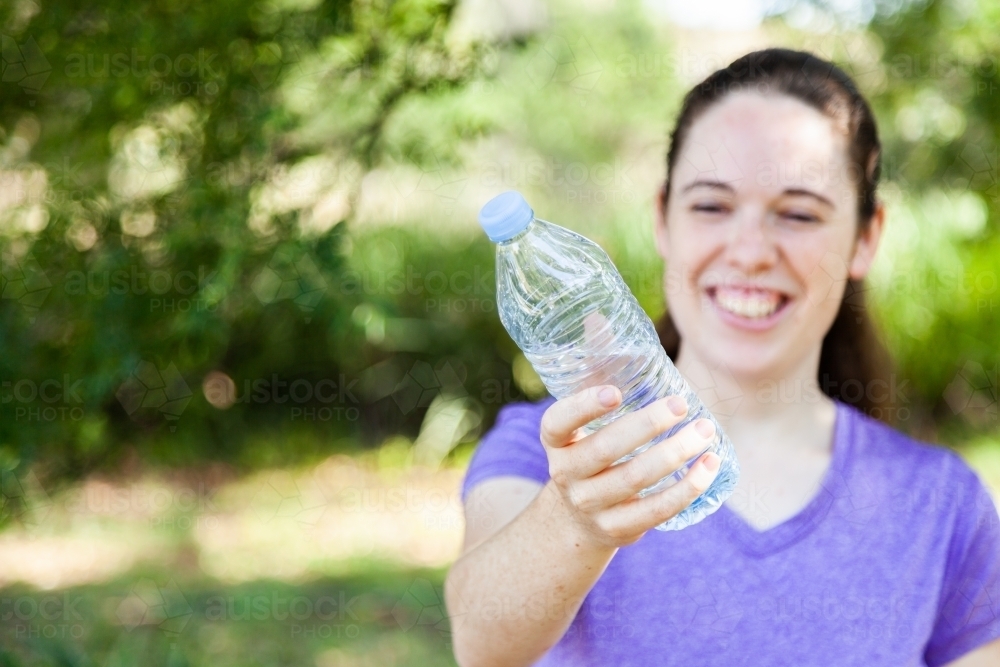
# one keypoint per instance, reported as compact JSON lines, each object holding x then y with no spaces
{"x":747,"y":306}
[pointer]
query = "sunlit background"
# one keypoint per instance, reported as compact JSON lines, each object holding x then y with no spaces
{"x":248,"y":329}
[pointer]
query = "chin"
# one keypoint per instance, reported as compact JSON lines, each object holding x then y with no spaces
{"x":745,"y":360}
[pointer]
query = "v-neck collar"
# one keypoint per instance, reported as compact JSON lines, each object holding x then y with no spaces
{"x":761,"y":543}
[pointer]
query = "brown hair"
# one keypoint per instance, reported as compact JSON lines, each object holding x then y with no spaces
{"x":853,"y":358}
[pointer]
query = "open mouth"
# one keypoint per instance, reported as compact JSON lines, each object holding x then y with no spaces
{"x":750,"y":305}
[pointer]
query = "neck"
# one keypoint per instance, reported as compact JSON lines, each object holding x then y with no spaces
{"x":779,"y":398}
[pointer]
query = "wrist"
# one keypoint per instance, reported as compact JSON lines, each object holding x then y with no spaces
{"x":573,"y":528}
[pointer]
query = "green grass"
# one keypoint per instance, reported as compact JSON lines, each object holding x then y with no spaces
{"x":151,"y":617}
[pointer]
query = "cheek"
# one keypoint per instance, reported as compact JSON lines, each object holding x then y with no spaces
{"x":690,"y":256}
{"x":821,"y":266}
{"x":674,"y":290}
{"x":689,"y":252}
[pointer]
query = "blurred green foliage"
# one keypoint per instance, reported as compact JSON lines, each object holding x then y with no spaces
{"x":136,"y":139}
{"x":937,"y":94}
{"x":211,"y":202}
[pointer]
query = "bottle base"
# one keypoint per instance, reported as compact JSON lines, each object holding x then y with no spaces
{"x":718,"y":492}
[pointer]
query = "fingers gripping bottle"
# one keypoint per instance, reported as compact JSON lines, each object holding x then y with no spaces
{"x":568,"y":309}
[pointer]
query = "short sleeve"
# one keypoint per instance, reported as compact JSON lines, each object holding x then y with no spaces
{"x":512,"y":447}
{"x":969,"y":612}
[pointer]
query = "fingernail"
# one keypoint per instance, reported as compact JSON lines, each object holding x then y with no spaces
{"x":712,"y":462}
{"x":705,"y":428}
{"x":677,"y":405}
{"x":608,"y":396}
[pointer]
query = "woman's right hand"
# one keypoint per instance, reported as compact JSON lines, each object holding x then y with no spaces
{"x":601,"y":498}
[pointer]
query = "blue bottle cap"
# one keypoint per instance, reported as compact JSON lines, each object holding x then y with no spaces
{"x":505,"y":216}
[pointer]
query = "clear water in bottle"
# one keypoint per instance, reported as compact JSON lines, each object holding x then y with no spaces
{"x":571,"y":313}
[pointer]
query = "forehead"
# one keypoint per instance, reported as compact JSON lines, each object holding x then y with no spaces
{"x":764,"y":142}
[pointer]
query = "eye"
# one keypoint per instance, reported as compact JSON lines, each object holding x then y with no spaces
{"x":709,"y":208}
{"x":799,"y":216}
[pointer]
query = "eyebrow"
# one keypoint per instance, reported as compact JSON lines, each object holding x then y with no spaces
{"x":802,"y":192}
{"x":707,"y":183}
{"x":722,"y":185}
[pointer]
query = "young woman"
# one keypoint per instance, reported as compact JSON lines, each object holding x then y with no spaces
{"x":846,"y":543}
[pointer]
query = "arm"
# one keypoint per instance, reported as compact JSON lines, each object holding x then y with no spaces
{"x":512,"y":597}
{"x":533,"y":553}
{"x":967,"y":628}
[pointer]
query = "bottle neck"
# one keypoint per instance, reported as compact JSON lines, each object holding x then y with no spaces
{"x":521,"y":234}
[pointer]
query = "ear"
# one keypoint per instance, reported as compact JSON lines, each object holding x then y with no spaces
{"x":867,"y":243}
{"x":660,"y":223}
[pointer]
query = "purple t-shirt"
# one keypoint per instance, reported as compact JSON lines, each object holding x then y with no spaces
{"x":896,"y":561}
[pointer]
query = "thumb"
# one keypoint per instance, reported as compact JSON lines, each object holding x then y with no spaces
{"x":600,"y":343}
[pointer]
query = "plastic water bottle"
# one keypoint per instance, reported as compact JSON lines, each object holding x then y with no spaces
{"x":568,"y":309}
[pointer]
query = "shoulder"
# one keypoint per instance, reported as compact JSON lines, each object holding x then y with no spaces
{"x":512,"y":447}
{"x":876,"y":440}
{"x":906,"y":464}
{"x":521,"y":415}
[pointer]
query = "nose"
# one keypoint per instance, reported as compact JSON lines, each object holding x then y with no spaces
{"x":749,"y":246}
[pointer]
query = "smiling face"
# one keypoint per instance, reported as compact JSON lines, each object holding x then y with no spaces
{"x":759,"y":234}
